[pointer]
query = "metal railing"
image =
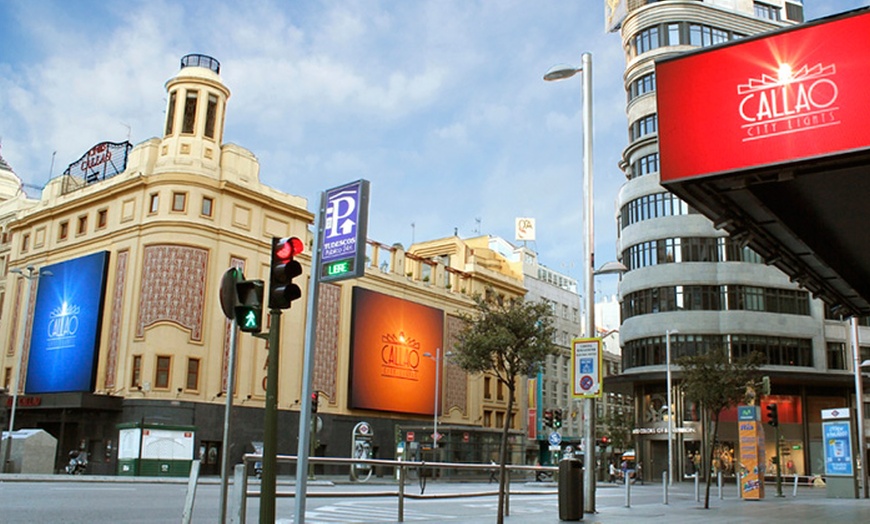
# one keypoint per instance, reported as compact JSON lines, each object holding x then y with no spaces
{"x":241,"y":492}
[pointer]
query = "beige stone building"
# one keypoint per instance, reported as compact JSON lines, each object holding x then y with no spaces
{"x":168,"y":216}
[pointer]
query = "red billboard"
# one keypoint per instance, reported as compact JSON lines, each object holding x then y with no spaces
{"x":389,"y":369}
{"x":791,"y":96}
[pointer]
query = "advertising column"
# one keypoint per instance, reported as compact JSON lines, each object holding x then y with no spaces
{"x":840,"y":479}
{"x":752,"y":459}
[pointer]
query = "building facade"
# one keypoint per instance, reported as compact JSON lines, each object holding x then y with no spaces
{"x":134,"y":241}
{"x":688,"y":282}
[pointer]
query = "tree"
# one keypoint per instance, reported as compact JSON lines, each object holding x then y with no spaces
{"x":716,"y":381}
{"x":506,"y":338}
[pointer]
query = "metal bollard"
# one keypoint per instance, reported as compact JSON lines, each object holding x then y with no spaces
{"x":739,"y":485}
{"x":665,"y":487}
{"x":627,"y":489}
{"x":794,"y":493}
{"x":697,"y":488}
{"x":719,"y":481}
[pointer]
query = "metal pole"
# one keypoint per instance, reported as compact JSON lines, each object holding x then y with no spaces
{"x":225,"y":451}
{"x":589,"y":268}
{"x":859,"y":405}
{"x":437,"y":379}
{"x":270,"y":423}
{"x":665,"y":487}
{"x":308,"y":370}
{"x":670,"y":403}
{"x":29,"y":277}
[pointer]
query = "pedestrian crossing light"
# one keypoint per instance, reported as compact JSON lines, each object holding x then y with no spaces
{"x":282,"y":290}
{"x":315,"y":397}
{"x":557,"y":418}
{"x":249,"y":305}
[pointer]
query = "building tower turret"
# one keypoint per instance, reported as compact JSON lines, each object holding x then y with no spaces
{"x":194,"y":125}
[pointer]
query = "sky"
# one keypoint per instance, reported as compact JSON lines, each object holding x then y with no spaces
{"x":440,"y":104}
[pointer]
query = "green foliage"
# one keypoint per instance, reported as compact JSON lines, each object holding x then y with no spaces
{"x":619,"y":425}
{"x":716,"y":381}
{"x":506,"y":338}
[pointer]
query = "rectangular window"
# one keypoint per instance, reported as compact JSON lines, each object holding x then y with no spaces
{"x":170,"y":114}
{"x":189,"y":122}
{"x":836,"y":355}
{"x":25,"y":242}
{"x":63,"y":231}
{"x":179,"y":201}
{"x":136,"y":374}
{"x":154,"y":203}
{"x":210,"y":116}
{"x":102,"y":218}
{"x":674,"y":34}
{"x":7,"y":379}
{"x":83,"y":225}
{"x":207,"y":204}
{"x":487,"y":387}
{"x":161,"y":374}
{"x":193,"y":374}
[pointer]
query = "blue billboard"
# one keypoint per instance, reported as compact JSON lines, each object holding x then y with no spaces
{"x":66,"y":326}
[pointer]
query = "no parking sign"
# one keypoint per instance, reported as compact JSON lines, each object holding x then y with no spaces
{"x":586,"y":367}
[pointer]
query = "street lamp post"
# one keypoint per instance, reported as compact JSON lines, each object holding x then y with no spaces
{"x":437,"y":359}
{"x":859,"y":405}
{"x":29,"y":274}
{"x":670,"y":386}
{"x":561,"y":72}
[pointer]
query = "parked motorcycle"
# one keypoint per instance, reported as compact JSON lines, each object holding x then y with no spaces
{"x":78,"y":462}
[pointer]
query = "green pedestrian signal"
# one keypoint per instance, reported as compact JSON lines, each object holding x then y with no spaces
{"x":249,"y":305}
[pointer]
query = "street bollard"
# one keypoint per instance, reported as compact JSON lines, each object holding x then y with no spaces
{"x":697,"y":488}
{"x":719,"y":481}
{"x":739,"y":485}
{"x":627,"y":490}
{"x":665,"y":487}
{"x":794,"y":493}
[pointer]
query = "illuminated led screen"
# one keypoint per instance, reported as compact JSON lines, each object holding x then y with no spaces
{"x":66,"y":326}
{"x":791,"y":96}
{"x":389,"y":371}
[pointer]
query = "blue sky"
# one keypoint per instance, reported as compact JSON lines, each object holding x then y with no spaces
{"x":439,"y":103}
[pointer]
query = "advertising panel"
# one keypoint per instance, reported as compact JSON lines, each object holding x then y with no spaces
{"x":343,"y":232}
{"x":837,"y":439}
{"x":66,"y":326}
{"x":752,"y":457}
{"x":389,"y":337}
{"x":791,"y":96}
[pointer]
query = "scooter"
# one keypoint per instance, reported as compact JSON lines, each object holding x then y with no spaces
{"x":78,"y":462}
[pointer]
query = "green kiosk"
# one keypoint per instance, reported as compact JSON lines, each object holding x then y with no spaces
{"x":155,"y":450}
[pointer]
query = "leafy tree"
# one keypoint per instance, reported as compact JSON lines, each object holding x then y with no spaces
{"x":507,"y":338}
{"x":716,"y":381}
{"x":619,"y":423}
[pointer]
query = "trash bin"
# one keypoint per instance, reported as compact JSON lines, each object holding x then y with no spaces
{"x":570,"y":489}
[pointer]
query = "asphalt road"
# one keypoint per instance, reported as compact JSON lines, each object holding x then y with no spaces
{"x":59,"y":499}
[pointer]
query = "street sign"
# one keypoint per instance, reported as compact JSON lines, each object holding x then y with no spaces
{"x":555,"y":438}
{"x":586,"y":367}
{"x":343,"y":228}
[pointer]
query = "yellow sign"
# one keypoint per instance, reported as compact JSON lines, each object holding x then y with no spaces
{"x":752,"y":459}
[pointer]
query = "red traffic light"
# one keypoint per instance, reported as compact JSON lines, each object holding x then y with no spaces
{"x":287,"y":248}
{"x":314,"y":398}
{"x":282,"y":290}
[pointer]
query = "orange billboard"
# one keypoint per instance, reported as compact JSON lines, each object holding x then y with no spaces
{"x":390,"y":338}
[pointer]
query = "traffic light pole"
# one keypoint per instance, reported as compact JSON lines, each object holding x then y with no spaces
{"x":270,"y":423}
{"x":778,"y":462}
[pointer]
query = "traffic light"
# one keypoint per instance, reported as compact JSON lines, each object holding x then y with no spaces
{"x":557,"y":418}
{"x":605,"y":441}
{"x":548,"y":418}
{"x":772,"y":415}
{"x":314,"y":398}
{"x":282,"y":290}
{"x":249,"y":305}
